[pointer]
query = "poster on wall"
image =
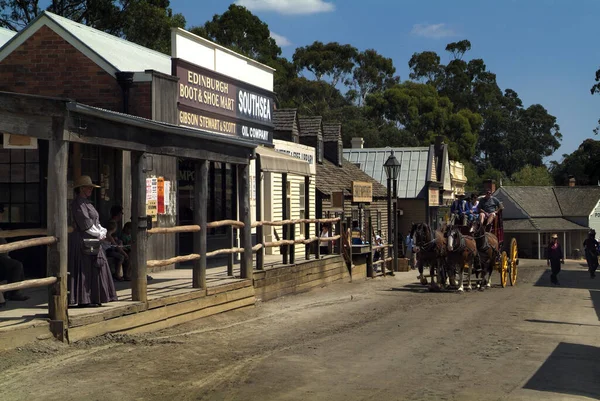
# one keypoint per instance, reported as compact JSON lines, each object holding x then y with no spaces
{"x":160,"y":201}
{"x":152,"y":197}
{"x":167,"y":190}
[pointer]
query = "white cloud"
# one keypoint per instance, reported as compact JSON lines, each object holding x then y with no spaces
{"x":288,"y":6}
{"x":281,"y":40}
{"x":433,"y":31}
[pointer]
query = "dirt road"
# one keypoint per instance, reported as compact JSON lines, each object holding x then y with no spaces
{"x":384,"y":339}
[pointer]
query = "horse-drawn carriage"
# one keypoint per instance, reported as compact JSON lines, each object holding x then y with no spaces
{"x":476,"y":248}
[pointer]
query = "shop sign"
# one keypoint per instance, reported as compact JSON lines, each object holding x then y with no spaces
{"x":362,"y":192}
{"x":214,"y":102}
{"x":12,"y":141}
{"x":434,"y":197}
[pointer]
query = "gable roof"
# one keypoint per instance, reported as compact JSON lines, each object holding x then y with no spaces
{"x":332,"y":132}
{"x":552,"y":201}
{"x":534,"y":201}
{"x":331,"y":178}
{"x":5,"y":35}
{"x":310,"y":125}
{"x":283,"y":119}
{"x":577,"y":201}
{"x":415,"y":167}
{"x":111,"y":53}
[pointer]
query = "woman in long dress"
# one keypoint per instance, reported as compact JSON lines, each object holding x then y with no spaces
{"x":90,"y":280}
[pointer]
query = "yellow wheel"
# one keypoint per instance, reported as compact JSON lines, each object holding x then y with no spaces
{"x":503,"y":269}
{"x":514,"y":261}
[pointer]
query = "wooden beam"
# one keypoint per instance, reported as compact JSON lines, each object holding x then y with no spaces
{"x":32,"y":105}
{"x":20,"y":124}
{"x":260,"y":238}
{"x":139,"y":225}
{"x":231,"y":233}
{"x":246,"y":231}
{"x":200,"y":218}
{"x":35,"y":283}
{"x":94,"y":130}
{"x":58,"y":154}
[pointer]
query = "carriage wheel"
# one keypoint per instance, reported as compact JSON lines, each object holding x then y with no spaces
{"x":503,"y":269}
{"x":514,"y":261}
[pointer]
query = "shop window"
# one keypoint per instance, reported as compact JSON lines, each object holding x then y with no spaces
{"x":301,"y":208}
{"x":20,"y":185}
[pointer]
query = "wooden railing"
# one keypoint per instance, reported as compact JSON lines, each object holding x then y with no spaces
{"x":260,"y":247}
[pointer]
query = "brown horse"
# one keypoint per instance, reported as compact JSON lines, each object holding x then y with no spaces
{"x":488,"y":251}
{"x":430,"y":248}
{"x":461,"y":254}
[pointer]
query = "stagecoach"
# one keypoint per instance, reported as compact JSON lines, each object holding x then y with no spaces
{"x":507,"y":263}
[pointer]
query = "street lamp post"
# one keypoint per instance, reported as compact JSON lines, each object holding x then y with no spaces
{"x":392,"y":170}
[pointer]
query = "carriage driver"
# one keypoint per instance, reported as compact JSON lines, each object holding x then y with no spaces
{"x":488,"y":208}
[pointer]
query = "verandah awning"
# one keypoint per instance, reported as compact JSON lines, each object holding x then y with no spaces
{"x":277,"y":162}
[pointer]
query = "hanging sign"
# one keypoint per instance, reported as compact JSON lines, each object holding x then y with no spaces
{"x":362,"y":192}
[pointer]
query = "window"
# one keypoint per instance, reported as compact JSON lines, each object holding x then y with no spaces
{"x":378,"y":221}
{"x":20,"y":185}
{"x":301,"y":208}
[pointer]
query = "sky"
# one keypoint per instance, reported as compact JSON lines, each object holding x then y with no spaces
{"x":545,"y":50}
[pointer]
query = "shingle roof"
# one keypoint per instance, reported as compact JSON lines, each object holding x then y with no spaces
{"x":283,"y":119}
{"x":415,"y":163}
{"x":331,"y":178}
{"x":535,"y":201}
{"x":541,"y":224}
{"x":577,"y":201}
{"x":552,"y":201}
{"x":332,"y":132}
{"x":5,"y":35}
{"x":310,"y":125}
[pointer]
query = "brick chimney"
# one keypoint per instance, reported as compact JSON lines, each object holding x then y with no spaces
{"x":572,"y":181}
{"x":357,"y":143}
{"x":311,"y":134}
{"x":332,"y":142}
{"x":489,"y":185}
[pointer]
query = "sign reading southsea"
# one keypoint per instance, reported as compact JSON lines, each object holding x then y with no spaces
{"x":214,"y":102}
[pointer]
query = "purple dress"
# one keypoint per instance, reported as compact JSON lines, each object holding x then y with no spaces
{"x":90,"y":280}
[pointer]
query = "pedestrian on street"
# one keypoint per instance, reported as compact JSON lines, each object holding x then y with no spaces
{"x":591,"y":252}
{"x":555,"y":258}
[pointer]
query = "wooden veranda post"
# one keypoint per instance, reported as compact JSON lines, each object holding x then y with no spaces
{"x":139,"y":227}
{"x":246,"y":231}
{"x":285,"y":212}
{"x":201,"y":219}
{"x":307,"y":216}
{"x":260,"y":254}
{"x":58,"y":154}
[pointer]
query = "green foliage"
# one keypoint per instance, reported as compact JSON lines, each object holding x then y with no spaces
{"x":583,"y":164}
{"x":531,"y":176}
{"x":241,"y":31}
{"x":330,"y":60}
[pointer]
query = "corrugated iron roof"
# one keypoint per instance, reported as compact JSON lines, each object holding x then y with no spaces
{"x":415,"y":164}
{"x":122,"y":54}
{"x":5,"y":35}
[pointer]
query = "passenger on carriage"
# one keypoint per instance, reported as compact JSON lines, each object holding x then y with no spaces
{"x":458,"y":210}
{"x":488,"y":208}
{"x":472,"y":208}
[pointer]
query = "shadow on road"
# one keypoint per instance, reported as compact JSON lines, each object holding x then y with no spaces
{"x":571,"y":369}
{"x":571,"y":279}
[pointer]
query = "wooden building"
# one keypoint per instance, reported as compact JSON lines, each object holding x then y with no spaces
{"x":424,"y":185}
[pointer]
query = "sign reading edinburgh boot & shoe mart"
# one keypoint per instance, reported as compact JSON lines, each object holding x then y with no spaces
{"x":213,"y":102}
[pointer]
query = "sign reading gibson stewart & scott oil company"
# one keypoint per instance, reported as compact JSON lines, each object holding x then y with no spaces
{"x":214,"y":102}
